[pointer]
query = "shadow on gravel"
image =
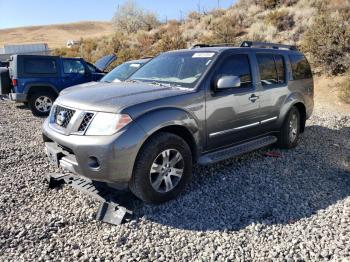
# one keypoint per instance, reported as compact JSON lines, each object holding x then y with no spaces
{"x":22,"y":106}
{"x":256,"y":189}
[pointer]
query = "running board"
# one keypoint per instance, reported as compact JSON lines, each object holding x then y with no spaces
{"x":115,"y":208}
{"x":234,"y":151}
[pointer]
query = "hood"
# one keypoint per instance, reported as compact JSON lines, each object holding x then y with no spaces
{"x":105,"y":61}
{"x":112,"y":97}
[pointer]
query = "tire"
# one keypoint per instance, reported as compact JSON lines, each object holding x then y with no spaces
{"x":150,"y":179}
{"x":290,"y":130}
{"x":46,"y":97}
{"x":5,"y":81}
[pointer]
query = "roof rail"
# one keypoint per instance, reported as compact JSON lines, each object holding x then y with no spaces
{"x":211,"y":45}
{"x":268,"y":45}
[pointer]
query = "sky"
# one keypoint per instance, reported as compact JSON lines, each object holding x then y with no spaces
{"x":18,"y":13}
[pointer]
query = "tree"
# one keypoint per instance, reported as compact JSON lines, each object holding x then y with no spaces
{"x":129,"y":18}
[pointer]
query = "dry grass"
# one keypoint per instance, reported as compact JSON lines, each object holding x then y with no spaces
{"x":55,"y":35}
{"x":328,"y":93}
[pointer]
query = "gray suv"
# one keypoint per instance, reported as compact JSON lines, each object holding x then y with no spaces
{"x":200,"y":105}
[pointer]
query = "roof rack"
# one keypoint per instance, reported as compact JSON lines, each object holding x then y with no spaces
{"x":211,"y":45}
{"x":268,"y":45}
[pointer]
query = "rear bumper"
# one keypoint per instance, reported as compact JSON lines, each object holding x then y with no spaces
{"x":18,"y":97}
{"x":115,"y":154}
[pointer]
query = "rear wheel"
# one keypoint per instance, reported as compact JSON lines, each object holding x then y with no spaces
{"x":162,"y":169}
{"x":5,"y":81}
{"x":290,"y":131}
{"x":40,"y":103}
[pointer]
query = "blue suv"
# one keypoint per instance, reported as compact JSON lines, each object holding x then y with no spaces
{"x":37,"y":80}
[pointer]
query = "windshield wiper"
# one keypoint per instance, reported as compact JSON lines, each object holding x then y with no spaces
{"x":132,"y":81}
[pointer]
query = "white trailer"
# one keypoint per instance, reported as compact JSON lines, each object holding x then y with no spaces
{"x":30,"y":49}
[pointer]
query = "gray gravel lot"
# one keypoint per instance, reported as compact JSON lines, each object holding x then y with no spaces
{"x":292,"y":208}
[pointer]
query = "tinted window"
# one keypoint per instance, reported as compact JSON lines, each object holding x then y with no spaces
{"x":40,"y":66}
{"x":267,"y":68}
{"x":300,"y":67}
{"x":73,"y":67}
{"x":280,"y":66}
{"x":237,"y":65}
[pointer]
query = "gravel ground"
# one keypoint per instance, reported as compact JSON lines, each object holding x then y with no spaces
{"x":292,"y":208}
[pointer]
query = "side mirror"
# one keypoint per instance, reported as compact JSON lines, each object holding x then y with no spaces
{"x":225,"y":82}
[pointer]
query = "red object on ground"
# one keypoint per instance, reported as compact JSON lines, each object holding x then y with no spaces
{"x":272,"y":154}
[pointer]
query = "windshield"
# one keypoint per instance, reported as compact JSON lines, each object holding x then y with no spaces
{"x":122,"y":72}
{"x":177,"y":69}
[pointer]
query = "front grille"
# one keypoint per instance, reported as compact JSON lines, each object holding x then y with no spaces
{"x":67,"y":115}
{"x":86,"y":120}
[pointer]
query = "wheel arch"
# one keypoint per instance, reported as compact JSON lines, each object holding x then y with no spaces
{"x":175,"y":121}
{"x":34,"y":88}
{"x":294,"y":100}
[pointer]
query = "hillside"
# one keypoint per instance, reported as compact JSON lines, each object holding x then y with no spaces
{"x":319,"y":28}
{"x":55,"y":35}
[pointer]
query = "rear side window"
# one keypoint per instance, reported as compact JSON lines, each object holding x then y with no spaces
{"x":272,"y":69}
{"x":40,"y":66}
{"x":300,"y":67}
{"x":237,"y":65}
{"x":73,"y":67}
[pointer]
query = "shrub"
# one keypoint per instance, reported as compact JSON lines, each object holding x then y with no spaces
{"x":345,"y":89}
{"x":282,"y":20}
{"x":225,"y":29}
{"x":328,"y":42}
{"x":129,"y":18}
{"x":260,"y":31}
{"x":269,"y":4}
{"x":170,"y":38}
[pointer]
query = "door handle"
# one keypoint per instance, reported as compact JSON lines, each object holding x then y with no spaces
{"x":253,"y":98}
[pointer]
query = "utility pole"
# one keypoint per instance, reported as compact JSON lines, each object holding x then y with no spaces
{"x":181,"y":16}
{"x":199,"y":6}
{"x":218,"y":4}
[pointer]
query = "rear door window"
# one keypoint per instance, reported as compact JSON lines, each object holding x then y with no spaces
{"x":272,"y":69}
{"x":267,"y":68}
{"x":71,"y":66}
{"x":40,"y":66}
{"x":300,"y":67}
{"x":237,"y":65}
{"x":280,"y":66}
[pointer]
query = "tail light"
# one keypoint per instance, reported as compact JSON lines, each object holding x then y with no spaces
{"x":14,"y":82}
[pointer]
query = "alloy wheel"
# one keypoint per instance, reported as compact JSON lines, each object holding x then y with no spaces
{"x":293,"y":128}
{"x":167,"y":170}
{"x":43,"y":104}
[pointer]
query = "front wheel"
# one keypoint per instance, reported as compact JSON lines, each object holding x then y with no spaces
{"x":162,"y":169}
{"x":290,"y":131}
{"x":40,"y":103}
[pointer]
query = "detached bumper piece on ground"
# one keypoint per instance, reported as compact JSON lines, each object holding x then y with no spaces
{"x":115,"y":208}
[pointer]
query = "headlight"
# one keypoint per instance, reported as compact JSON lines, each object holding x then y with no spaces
{"x":105,"y":124}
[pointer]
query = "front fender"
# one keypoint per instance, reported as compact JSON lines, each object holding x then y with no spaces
{"x":155,"y":120}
